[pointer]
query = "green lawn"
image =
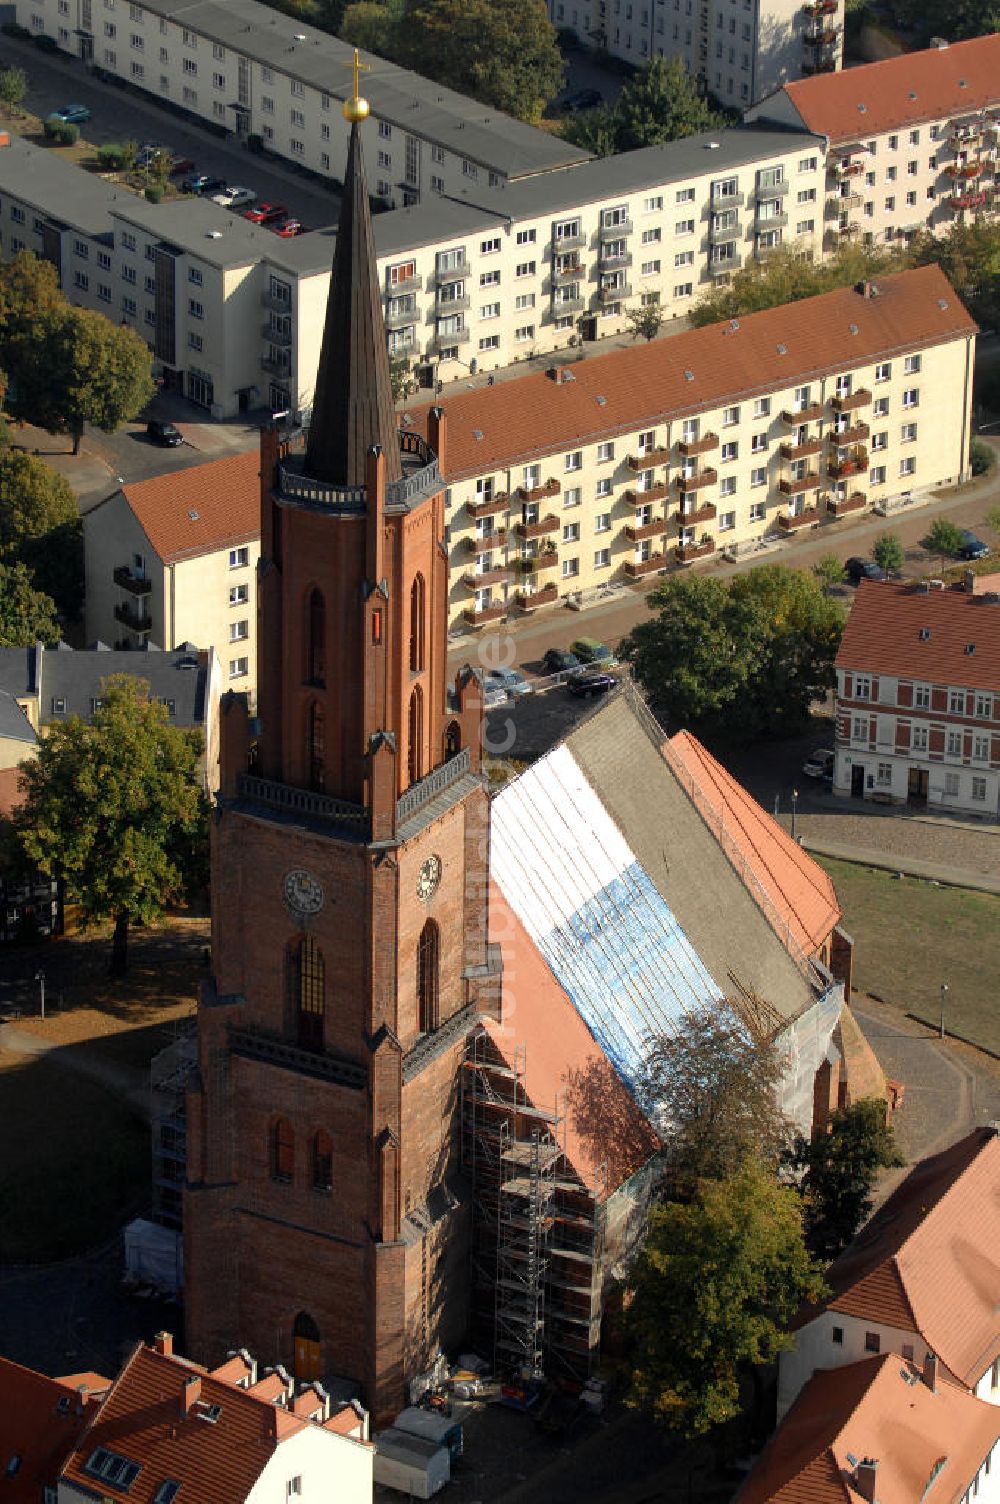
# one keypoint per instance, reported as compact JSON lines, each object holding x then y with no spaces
{"x":910,"y":936}
{"x":76,"y":1161}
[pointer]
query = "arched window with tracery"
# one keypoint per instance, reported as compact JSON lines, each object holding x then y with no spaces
{"x":316,"y":667}
{"x":282,"y":1151}
{"x":307,"y":983}
{"x":415,"y":735}
{"x":428,"y":949}
{"x":417,"y":598}
{"x":321,"y":1157}
{"x":317,"y":747}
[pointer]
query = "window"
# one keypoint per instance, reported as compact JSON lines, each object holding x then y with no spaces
{"x":294,"y":1484}
{"x":298,"y":120}
{"x":862,"y":687}
{"x":490,"y":311}
{"x":489,"y":342}
{"x":652,"y":205}
{"x":428,"y":1002}
{"x":984,"y":707}
{"x":979,"y":788}
{"x":951,"y":783}
{"x":758,"y":476}
{"x":731,"y":450}
{"x":113,"y":1468}
{"x":883,"y":775}
{"x":883,"y":371}
{"x":876,"y":475}
{"x":956,"y":702}
{"x":980,"y":748}
{"x":489,"y":247}
{"x":81,"y":280}
{"x":911,"y":365}
{"x":605,"y":452}
{"x":195,"y":276}
{"x":918,"y":739}
{"x":684,"y":196}
{"x":837,"y":1336}
{"x":730,"y":415}
{"x":873,"y":1342}
{"x":727,"y":485}
{"x":683,"y":289}
{"x":758,"y":443}
{"x":651,"y":237}
{"x":525,"y":237}
{"x":239,"y":668}
{"x":908,"y":465}
{"x":922,"y":696}
{"x":762,"y":407}
{"x":911,"y":397}
{"x":727,"y":521}
{"x":128,"y":275}
{"x":603,"y":487}
{"x":239,"y":594}
{"x":239,"y":558}
{"x":571,"y":532}
{"x":757,"y":512}
{"x":602,"y":558}
{"x":195,"y":309}
{"x":525,"y":333}
{"x":524,"y":300}
{"x":684,"y":227}
{"x":881,"y":407}
{"x":684,"y":258}
{"x":167,"y":1491}
{"x":525,"y":269}
{"x":282,"y":1152}
{"x":806,"y":196}
{"x":602,"y":522}
{"x":570,"y":568}
{"x":573,"y":460}
{"x":572,"y":496}
{"x":953,"y":744}
{"x":239,"y":631}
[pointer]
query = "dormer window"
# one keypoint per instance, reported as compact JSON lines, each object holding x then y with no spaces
{"x":112,"y":1468}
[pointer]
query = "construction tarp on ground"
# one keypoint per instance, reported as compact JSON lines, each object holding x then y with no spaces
{"x":154,"y":1256}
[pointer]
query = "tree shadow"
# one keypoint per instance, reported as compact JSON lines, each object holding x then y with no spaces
{"x":607,"y":1120}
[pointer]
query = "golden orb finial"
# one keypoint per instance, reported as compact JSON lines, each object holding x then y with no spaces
{"x":356,"y":108}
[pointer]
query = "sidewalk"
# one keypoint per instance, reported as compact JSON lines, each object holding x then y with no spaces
{"x":909,"y":866}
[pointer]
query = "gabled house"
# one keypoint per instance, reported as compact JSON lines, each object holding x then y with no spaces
{"x":40,"y":1420}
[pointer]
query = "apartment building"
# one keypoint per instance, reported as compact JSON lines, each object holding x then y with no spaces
{"x":912,"y":142}
{"x":918,"y":698}
{"x":647,"y":458}
{"x":173,"y":560}
{"x":247,"y":69}
{"x":738,"y":50}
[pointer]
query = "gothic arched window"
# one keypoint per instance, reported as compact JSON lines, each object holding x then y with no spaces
{"x":452,"y":740}
{"x":317,"y":639}
{"x":282,"y":1151}
{"x":308,"y":987}
{"x":321,"y":1157}
{"x":415,"y":735}
{"x":428,"y":949}
{"x":417,"y":594}
{"x":317,"y":747}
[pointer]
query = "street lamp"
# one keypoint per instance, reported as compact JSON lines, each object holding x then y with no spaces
{"x":795,"y":800}
{"x":944,"y":998}
{"x":40,"y":979}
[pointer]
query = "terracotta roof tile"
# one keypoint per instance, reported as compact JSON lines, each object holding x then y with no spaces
{"x":516,"y":421}
{"x":35,"y":1429}
{"x":882,"y":1291}
{"x":803,"y":898}
{"x":878,"y":1408}
{"x":934,"y":84}
{"x":883,"y":635}
{"x":223,"y":495}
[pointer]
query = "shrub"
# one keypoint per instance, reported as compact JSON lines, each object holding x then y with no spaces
{"x":982,"y":457}
{"x":45,"y":43}
{"x":61,"y":131}
{"x":154,"y":193}
{"x":255,"y":143}
{"x":12,"y":29}
{"x":112,"y":157}
{"x":944,"y":538}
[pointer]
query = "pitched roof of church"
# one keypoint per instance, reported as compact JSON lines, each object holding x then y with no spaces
{"x":352,"y":406}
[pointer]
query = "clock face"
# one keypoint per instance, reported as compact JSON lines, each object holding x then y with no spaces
{"x":303,"y":892}
{"x":428,"y":877}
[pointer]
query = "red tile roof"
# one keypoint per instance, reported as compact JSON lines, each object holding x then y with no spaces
{"x":602,"y":1125}
{"x":883,"y":635}
{"x":879,"y":1408}
{"x":35,"y":1429}
{"x":516,"y":421}
{"x":926,"y":1262}
{"x":803,"y":900}
{"x":935,"y":84}
{"x":200,"y":510}
{"x":142,"y":1419}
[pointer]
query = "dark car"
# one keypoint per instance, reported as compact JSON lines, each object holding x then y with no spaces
{"x":590,"y":682}
{"x":972,"y":547}
{"x":583,"y":99}
{"x":202,"y":183}
{"x":163,"y":433}
{"x":589,"y":650}
{"x":181,"y":163}
{"x":560,"y":661}
{"x":857,"y":570}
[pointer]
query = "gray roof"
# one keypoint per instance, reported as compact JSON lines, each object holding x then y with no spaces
{"x":14,"y":724}
{"x":74,"y":677}
{"x":413,"y":103}
{"x":199,"y":227}
{"x":68,"y":196}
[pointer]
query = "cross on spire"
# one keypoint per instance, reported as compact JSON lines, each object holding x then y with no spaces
{"x":356,"y":108}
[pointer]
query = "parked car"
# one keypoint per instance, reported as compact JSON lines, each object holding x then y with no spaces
{"x":972,"y":547}
{"x":235,"y":198}
{"x":72,"y":114}
{"x":166,"y":434}
{"x":266,"y":214}
{"x":590,"y":682}
{"x":589,"y":650}
{"x":510,"y":680}
{"x":583,"y":99}
{"x":180,"y":163}
{"x":819,"y":764}
{"x":560,"y":661}
{"x":857,"y":570}
{"x":289,"y":227}
{"x":493,"y":695}
{"x":203,"y":184}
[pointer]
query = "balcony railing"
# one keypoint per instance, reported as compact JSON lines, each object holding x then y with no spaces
{"x":649,"y":460}
{"x":795,"y":487}
{"x":281,"y":337}
{"x":275,"y":365}
{"x":544,"y":525}
{"x":641,"y":498}
{"x":295,"y":801}
{"x":612,"y":232}
{"x":530,"y":600}
{"x":839,"y":506}
{"x":820,"y":7}
{"x":636,"y":568}
{"x":966,"y":171}
{"x":722,"y":201}
{"x":615,"y":294}
{"x":856,"y":434}
{"x":772,"y":190}
{"x":484,"y":542}
{"x":685,"y":553}
{"x":695,"y":482}
{"x":136,"y":621}
{"x":820,"y":36}
{"x":855,"y":464}
{"x":445,"y":306}
{"x":967,"y":200}
{"x":568,"y":243}
{"x":568,"y":305}
{"x":770,"y":222}
{"x":399,"y":318}
{"x":848,"y":168}
{"x":689,"y":447}
{"x":546,"y":558}
{"x":408,"y":284}
{"x":823,"y":62}
{"x":279,"y":305}
{"x":492,"y":576}
{"x":800,"y":451}
{"x":810,"y":414}
{"x":445,"y":341}
{"x":133,"y":583}
{"x":488,"y":507}
{"x":551,"y":487}
{"x":567,"y":273}
{"x":621,"y":258}
{"x":852,"y":401}
{"x":638,"y":531}
{"x":705,"y":513}
{"x":788,"y":522}
{"x":478,"y":616}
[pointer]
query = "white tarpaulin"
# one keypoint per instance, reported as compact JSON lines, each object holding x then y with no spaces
{"x":154,"y":1254}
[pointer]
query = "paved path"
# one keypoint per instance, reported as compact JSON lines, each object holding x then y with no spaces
{"x":120,"y":1080}
{"x":931,"y":871}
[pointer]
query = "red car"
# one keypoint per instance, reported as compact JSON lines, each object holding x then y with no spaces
{"x":288,"y":228}
{"x":266,"y":214}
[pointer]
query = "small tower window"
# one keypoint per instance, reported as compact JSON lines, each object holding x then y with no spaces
{"x":309,"y":981}
{"x":282,"y":1152}
{"x":428,"y":947}
{"x":317,"y":747}
{"x":416,"y":735}
{"x":452,"y":740}
{"x":417,"y":624}
{"x":317,"y":639}
{"x":322,"y":1162}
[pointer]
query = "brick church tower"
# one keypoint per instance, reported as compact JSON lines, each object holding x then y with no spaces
{"x":325,"y":1223}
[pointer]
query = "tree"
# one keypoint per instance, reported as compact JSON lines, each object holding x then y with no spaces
{"x":969,"y":256}
{"x":595,"y":131}
{"x":370,"y":26}
{"x":502,"y":52}
{"x":103,"y":374}
{"x":114,"y":808}
{"x":40,"y":528}
{"x":887,"y":551}
{"x":26,"y":615}
{"x":829,"y":571}
{"x":716,"y":1284}
{"x":645,"y":321}
{"x":403,"y":383}
{"x":982,"y":459}
{"x":714,"y":1089}
{"x":13,"y":87}
{"x":784,"y":277}
{"x":661,"y":103}
{"x":841,"y":1166}
{"x":944,"y":538}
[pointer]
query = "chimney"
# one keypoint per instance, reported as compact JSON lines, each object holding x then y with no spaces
{"x":81,"y":1398}
{"x":163,"y":1343}
{"x":864,"y":1478}
{"x":969,"y":582}
{"x":930,"y":1372}
{"x":939,"y":42}
{"x":437,"y":437}
{"x":190,"y":1395}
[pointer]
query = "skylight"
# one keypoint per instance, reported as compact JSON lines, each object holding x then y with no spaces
{"x":113,"y":1468}
{"x":167,"y":1491}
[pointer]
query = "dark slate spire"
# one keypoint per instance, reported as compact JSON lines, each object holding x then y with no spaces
{"x":352,"y":405}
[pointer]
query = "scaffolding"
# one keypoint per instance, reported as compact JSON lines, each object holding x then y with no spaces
{"x":536,"y":1259}
{"x":170,"y":1072}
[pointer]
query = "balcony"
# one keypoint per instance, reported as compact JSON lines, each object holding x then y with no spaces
{"x":705,"y":513}
{"x":612,"y":232}
{"x":530,"y":600}
{"x":855,"y":464}
{"x":810,"y":414}
{"x":653,"y":529}
{"x":689,"y":447}
{"x":795,"y":487}
{"x":848,"y":167}
{"x":856,"y":434}
{"x":399,"y":318}
{"x":447,"y":341}
{"x":721,"y":201}
{"x":967,"y":200}
{"x":839,"y":506}
{"x":720,"y":234}
{"x":486,"y":541}
{"x":276,"y":304}
{"x":820,"y":8}
{"x":686,"y":483}
{"x":539,"y":529}
{"x":648,"y":460}
{"x":488,"y":507}
{"x":686,"y":553}
{"x":966,"y":131}
{"x":446,"y":306}
{"x":488,"y":577}
{"x":450,"y":276}
{"x":789,"y":522}
{"x":568,"y":305}
{"x":280,"y":337}
{"x":771,"y":190}
{"x":842,"y":203}
{"x":546,"y":558}
{"x":770,"y":222}
{"x":637,"y":568}
{"x":565,"y":273}
{"x":615,"y":294}
{"x":136,"y":620}
{"x":405,"y":284}
{"x":800,"y":451}
{"x":823,"y":62}
{"x":540,"y":493}
{"x":820,"y":36}
{"x":562,"y":243}
{"x":641,"y":498}
{"x":623,"y":258}
{"x":133,"y":583}
{"x":850,"y":228}
{"x":274,"y":365}
{"x":479,"y":616}
{"x":851,"y":402}
{"x":965,"y":172}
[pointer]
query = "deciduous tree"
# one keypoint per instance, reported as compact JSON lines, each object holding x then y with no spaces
{"x":370,"y":26}
{"x":969,"y":255}
{"x":944,"y":537}
{"x":840,"y":1169}
{"x":661,"y":103}
{"x":13,"y":87}
{"x":645,"y":321}
{"x":829,"y":571}
{"x":888,"y":552}
{"x":114,"y":807}
{"x":717,"y":1283}
{"x":26,"y":615}
{"x":503,"y":52}
{"x":40,"y":528}
{"x":785,"y":278}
